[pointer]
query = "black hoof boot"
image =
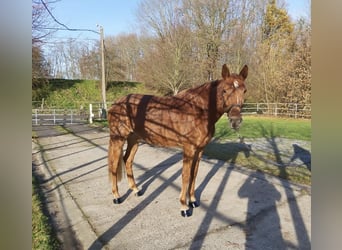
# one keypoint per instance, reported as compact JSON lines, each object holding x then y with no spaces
{"x":139,"y":193}
{"x":186,"y":213}
{"x":193,"y":204}
{"x":117,"y":201}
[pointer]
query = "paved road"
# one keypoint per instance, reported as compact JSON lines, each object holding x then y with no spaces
{"x":239,"y":208}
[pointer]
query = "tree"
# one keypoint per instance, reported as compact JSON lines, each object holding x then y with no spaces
{"x":299,"y":88}
{"x":40,"y":73}
{"x":274,"y":55}
{"x":128,"y":52}
{"x":40,"y":67}
{"x":277,"y":24}
{"x":89,"y":62}
{"x":41,"y":22}
{"x":209,"y":21}
{"x":165,"y":60}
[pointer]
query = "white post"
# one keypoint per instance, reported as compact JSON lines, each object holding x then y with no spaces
{"x":54,"y":116}
{"x":91,"y":113}
{"x":36,"y":116}
{"x":71,"y":116}
{"x":257,"y":108}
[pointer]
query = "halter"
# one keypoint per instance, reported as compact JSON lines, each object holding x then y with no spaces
{"x":232,"y":106}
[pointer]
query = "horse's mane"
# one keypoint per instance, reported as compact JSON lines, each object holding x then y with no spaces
{"x":195,"y":90}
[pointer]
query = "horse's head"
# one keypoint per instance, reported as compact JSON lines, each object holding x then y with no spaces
{"x":232,"y":89}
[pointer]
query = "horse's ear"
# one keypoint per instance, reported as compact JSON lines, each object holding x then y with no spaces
{"x":225,"y":71}
{"x":244,"y":72}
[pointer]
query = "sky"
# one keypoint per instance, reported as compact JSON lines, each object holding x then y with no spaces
{"x":119,"y":16}
{"x":114,"y":16}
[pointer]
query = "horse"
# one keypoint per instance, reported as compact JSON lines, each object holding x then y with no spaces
{"x":185,"y":120}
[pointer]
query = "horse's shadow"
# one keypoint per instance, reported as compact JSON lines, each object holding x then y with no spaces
{"x":145,"y":180}
{"x":226,"y":152}
{"x":302,"y":154}
{"x":151,"y":174}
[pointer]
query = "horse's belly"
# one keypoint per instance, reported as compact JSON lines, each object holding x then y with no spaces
{"x":173,"y":131}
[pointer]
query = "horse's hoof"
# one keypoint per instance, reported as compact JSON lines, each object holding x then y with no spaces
{"x":193,"y":204}
{"x":116,"y":200}
{"x":139,"y":193}
{"x":186,"y":213}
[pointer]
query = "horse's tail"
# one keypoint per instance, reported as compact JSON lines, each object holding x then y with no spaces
{"x":112,"y":169}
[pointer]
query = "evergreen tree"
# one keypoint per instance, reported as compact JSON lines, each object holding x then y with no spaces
{"x":276,"y":24}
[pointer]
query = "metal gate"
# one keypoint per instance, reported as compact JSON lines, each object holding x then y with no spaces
{"x":58,"y":116}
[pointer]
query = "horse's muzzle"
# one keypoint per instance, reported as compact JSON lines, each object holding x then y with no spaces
{"x":234,"y":117}
{"x":235,"y":122}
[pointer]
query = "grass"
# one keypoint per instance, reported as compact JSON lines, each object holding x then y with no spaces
{"x":65,"y":93}
{"x":226,"y":147}
{"x":266,"y":127}
{"x":43,"y":236}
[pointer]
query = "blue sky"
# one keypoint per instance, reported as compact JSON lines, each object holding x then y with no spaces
{"x":119,"y":16}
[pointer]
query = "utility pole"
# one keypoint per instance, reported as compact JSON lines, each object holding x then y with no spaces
{"x":103,"y":80}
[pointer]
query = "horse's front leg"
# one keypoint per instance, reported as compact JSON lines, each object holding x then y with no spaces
{"x":189,"y":156}
{"x":193,"y":202}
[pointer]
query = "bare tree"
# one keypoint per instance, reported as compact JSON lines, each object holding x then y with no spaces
{"x":165,"y":61}
{"x":192,"y":37}
{"x":209,"y":20}
{"x":42,"y":25}
{"x":89,"y":62}
{"x":128,"y":53}
{"x":40,"y":66}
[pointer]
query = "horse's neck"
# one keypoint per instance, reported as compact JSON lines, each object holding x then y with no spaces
{"x":205,"y":97}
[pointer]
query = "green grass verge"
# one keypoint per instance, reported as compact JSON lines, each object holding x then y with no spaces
{"x":43,"y":236}
{"x":266,"y":127}
{"x":226,"y":146}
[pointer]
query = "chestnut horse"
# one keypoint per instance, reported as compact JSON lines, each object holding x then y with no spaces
{"x":186,"y":120}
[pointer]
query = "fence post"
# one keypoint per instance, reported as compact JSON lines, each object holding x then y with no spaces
{"x":70,"y":116}
{"x":65,"y":113}
{"x":296,"y":106}
{"x":36,"y":116}
{"x":91,"y":113}
{"x":54,"y":116}
{"x":257,"y":108}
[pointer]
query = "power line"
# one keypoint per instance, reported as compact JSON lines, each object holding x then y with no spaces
{"x":62,"y":24}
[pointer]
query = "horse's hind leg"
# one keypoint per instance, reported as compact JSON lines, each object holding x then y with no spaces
{"x":132,"y":147}
{"x":115,"y":165}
